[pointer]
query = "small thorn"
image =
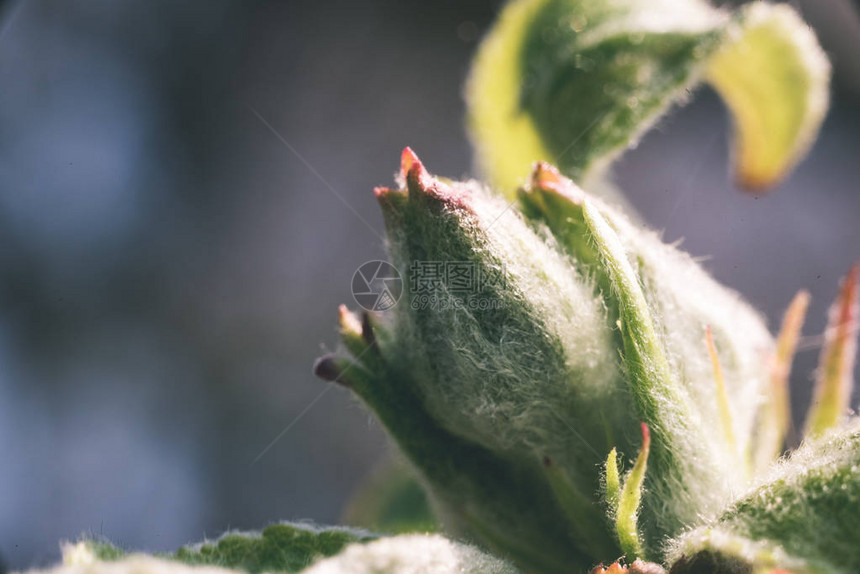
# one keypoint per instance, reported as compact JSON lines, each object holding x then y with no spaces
{"x":546,"y":461}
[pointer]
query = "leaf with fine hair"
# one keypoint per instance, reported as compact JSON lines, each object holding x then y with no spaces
{"x":629,"y":499}
{"x":801,"y":517}
{"x":575,"y":82}
{"x":405,"y":554}
{"x":774,"y":78}
{"x":283,"y":548}
{"x":508,"y":410}
{"x":661,"y":302}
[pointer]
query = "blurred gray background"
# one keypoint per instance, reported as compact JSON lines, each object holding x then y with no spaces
{"x":170,"y":268}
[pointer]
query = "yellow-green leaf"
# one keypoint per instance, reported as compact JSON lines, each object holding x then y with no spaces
{"x":612,"y":481}
{"x":575,"y":82}
{"x":774,"y":78}
{"x":629,"y":500}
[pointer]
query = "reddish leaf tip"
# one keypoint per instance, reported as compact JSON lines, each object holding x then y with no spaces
{"x":412,"y":170}
{"x":646,"y":436}
{"x":546,"y":177}
{"x":409,"y":161}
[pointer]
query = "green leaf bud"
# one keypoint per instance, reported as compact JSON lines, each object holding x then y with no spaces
{"x":664,"y":304}
{"x":507,"y":396}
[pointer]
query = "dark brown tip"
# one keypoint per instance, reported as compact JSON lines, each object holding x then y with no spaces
{"x":327,"y":369}
{"x":367,"y":331}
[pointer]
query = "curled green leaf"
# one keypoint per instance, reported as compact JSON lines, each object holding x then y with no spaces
{"x":575,"y":82}
{"x":774,"y":78}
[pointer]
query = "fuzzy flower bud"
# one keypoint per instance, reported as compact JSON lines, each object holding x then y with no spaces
{"x":507,"y":392}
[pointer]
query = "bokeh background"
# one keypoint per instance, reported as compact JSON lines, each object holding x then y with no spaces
{"x":170,"y":266}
